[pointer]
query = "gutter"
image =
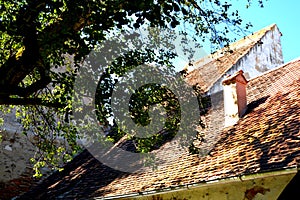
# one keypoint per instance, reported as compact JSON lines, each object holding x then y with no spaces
{"x":241,"y":178}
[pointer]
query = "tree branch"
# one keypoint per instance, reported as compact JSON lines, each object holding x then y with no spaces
{"x":29,"y":102}
{"x":17,"y":67}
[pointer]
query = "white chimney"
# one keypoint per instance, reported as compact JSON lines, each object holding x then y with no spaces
{"x":235,"y":97}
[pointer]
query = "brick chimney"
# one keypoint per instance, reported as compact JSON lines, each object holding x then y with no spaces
{"x":235,"y":97}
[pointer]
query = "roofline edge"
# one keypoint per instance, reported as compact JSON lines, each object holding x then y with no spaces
{"x":276,"y":68}
{"x":240,"y":178}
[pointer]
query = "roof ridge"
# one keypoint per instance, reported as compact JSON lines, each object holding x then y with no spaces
{"x":264,"y":31}
{"x":220,"y":53}
{"x":214,"y":66}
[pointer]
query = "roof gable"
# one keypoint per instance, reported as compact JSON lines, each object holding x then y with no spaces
{"x":208,"y":70}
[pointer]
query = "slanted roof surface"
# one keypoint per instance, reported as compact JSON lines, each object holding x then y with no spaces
{"x":211,"y":68}
{"x":267,"y":138}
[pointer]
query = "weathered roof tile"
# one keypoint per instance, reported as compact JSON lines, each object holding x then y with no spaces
{"x":212,"y":67}
{"x":266,"y":138}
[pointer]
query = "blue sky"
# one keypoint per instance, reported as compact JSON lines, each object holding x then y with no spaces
{"x":285,"y":13}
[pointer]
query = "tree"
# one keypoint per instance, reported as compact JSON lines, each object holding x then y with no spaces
{"x":39,"y":37}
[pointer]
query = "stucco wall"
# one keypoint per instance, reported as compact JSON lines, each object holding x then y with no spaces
{"x":261,"y":58}
{"x":15,"y":150}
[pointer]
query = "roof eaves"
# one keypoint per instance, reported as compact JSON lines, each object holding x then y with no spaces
{"x":240,"y":178}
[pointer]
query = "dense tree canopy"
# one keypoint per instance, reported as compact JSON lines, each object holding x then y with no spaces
{"x":43,"y":44}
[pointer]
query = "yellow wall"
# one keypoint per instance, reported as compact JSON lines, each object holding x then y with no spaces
{"x":255,"y":187}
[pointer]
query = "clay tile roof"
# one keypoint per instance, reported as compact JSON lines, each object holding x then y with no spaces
{"x":267,"y":138}
{"x":212,"y":67}
{"x":273,"y":81}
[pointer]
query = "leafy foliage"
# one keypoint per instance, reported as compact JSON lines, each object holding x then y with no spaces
{"x":44,"y":42}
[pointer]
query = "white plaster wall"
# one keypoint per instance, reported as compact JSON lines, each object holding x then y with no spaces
{"x":230,"y":105}
{"x":261,"y":58}
{"x":15,"y":150}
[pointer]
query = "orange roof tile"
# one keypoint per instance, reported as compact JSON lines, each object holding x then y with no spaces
{"x":266,"y":138}
{"x":212,"y":67}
